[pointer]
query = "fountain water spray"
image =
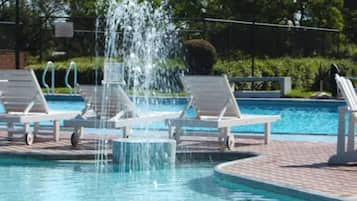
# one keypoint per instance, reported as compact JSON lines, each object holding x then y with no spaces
{"x":139,"y":39}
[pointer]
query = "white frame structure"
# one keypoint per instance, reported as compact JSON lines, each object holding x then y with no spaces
{"x":109,"y":107}
{"x":25,"y":104}
{"x":215,"y":106}
{"x":345,"y":154}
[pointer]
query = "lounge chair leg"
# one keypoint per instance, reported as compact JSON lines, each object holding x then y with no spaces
{"x":266,"y":133}
{"x":36,"y":128}
{"x":177,"y":136}
{"x":56,"y":130}
{"x":222,"y":134}
{"x":27,"y":128}
{"x":351,"y":133}
{"x":229,"y":141}
{"x":10,"y":127}
{"x":171,"y":131}
{"x":341,"y":138}
{"x":126,"y":131}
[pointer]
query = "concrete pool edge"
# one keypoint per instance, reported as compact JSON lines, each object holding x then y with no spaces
{"x":291,"y":191}
{"x":85,"y":155}
{"x":77,"y":97}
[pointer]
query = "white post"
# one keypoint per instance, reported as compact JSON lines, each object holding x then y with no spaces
{"x":56,"y":130}
{"x":36,"y":128}
{"x":266,"y":133}
{"x":10,"y":127}
{"x":341,"y":130}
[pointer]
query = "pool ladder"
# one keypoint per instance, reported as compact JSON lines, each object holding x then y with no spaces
{"x":50,"y":66}
{"x":72,"y":67}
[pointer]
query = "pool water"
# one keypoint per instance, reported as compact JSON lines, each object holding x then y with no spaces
{"x":30,"y":180}
{"x":297,"y":117}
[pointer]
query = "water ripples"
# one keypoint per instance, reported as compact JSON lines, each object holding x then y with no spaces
{"x":81,"y":182}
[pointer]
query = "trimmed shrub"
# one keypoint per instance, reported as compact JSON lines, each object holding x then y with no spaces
{"x":305,"y":73}
{"x":200,"y":56}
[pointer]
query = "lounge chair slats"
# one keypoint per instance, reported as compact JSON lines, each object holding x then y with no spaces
{"x":25,"y":103}
{"x":22,"y":107}
{"x":20,"y":84}
{"x":210,"y":95}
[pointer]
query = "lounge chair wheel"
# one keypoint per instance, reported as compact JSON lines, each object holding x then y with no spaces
{"x":229,"y":141}
{"x":29,"y":138}
{"x":75,"y":139}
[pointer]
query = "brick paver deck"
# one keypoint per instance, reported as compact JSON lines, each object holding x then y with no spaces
{"x":300,"y":165}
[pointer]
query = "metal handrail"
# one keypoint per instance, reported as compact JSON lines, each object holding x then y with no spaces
{"x":51,"y":65}
{"x":72,"y":66}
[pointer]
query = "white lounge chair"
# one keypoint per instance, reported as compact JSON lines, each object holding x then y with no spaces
{"x":215,"y":107}
{"x":25,"y":104}
{"x":346,"y":154}
{"x":115,"y":110}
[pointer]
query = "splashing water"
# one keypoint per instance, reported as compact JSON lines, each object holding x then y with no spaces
{"x":143,"y":37}
{"x":139,"y":39}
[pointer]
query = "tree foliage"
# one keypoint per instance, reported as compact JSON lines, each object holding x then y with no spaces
{"x":317,"y":13}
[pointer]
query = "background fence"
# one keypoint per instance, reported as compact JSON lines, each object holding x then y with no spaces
{"x":231,"y":38}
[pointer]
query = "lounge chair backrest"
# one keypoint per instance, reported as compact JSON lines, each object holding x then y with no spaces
{"x":210,"y":95}
{"x":21,"y":92}
{"x":348,"y":92}
{"x":116,"y":99}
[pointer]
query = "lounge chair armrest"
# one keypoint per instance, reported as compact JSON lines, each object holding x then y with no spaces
{"x":187,"y":107}
{"x":224,"y":109}
{"x":31,"y":104}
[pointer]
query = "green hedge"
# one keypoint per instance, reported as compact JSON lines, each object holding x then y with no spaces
{"x":87,"y":67}
{"x":305,"y":73}
{"x":83,"y":64}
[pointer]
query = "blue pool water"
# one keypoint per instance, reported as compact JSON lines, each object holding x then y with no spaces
{"x":297,"y":117}
{"x":28,"y":180}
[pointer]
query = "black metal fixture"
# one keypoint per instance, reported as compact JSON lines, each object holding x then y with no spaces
{"x":17,"y":27}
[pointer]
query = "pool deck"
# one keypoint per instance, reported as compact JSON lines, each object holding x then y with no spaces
{"x":297,"y":165}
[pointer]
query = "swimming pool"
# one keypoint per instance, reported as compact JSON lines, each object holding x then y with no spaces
{"x":297,"y":117}
{"x":30,"y":180}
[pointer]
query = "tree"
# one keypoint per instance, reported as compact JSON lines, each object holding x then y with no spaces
{"x":82,"y":8}
{"x":351,"y":25}
{"x":324,"y":13}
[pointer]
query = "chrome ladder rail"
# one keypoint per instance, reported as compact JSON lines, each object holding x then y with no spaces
{"x":72,"y":66}
{"x":50,"y":65}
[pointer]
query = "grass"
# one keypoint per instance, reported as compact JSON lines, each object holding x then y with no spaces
{"x":58,"y":90}
{"x":300,"y":93}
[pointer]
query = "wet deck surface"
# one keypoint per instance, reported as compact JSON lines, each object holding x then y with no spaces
{"x":300,"y":165}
